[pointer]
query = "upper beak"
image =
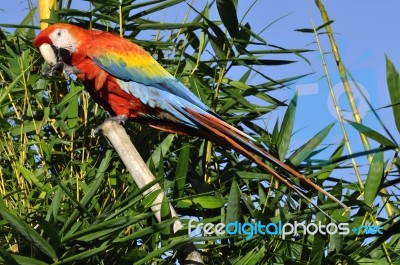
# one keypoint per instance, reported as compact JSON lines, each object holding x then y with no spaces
{"x":48,"y":53}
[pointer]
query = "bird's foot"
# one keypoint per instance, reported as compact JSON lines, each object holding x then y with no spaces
{"x":70,"y":70}
{"x":60,"y":66}
{"x":51,"y":69}
{"x":120,"y":119}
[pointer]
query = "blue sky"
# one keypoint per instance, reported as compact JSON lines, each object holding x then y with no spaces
{"x":364,"y":31}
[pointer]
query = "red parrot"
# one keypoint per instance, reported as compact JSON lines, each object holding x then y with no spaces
{"x":128,"y":82}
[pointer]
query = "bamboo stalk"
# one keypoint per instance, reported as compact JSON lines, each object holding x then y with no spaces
{"x":364,"y":139}
{"x":390,"y":209}
{"x":141,"y":174}
{"x":337,"y":109}
{"x":342,"y":72}
{"x":45,"y":7}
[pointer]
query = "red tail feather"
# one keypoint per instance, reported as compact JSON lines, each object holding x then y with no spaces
{"x":226,"y":133}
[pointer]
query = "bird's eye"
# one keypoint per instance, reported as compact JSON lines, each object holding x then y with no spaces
{"x":58,"y":33}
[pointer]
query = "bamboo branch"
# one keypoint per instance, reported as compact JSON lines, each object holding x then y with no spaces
{"x":141,"y":174}
{"x":45,"y":7}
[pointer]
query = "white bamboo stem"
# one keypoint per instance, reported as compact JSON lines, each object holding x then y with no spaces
{"x":142,"y":176}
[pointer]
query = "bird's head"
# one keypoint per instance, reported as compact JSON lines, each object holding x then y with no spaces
{"x":57,"y":41}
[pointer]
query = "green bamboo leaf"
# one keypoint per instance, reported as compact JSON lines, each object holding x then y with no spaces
{"x":261,"y":193}
{"x":5,"y":25}
{"x":148,"y":201}
{"x":243,"y":39}
{"x":374,"y":261}
{"x":25,"y":127}
{"x":226,"y":106}
{"x":244,"y":60}
{"x":219,"y":42}
{"x":311,"y":30}
{"x":83,"y":255}
{"x":163,"y":5}
{"x":73,"y":106}
{"x":2,"y":204}
{"x":149,"y":230}
{"x":318,"y":245}
{"x":202,"y":45}
{"x":252,"y":175}
{"x":22,"y":260}
{"x":275,"y":133}
{"x":274,"y":101}
{"x":51,"y":232}
{"x":340,"y":215}
{"x":248,"y":257}
{"x":279,"y":51}
{"x":219,"y":48}
{"x":5,"y":93}
{"x":227,"y":12}
{"x":74,"y":12}
{"x":135,"y":5}
{"x":237,"y":84}
{"x":276,"y":84}
{"x":205,"y":15}
{"x":234,"y":93}
{"x":247,"y":30}
{"x":133,"y":199}
{"x":70,"y":97}
{"x":374,"y":178}
{"x":286,"y":131}
{"x":160,"y":251}
{"x":393,"y":83}
{"x":55,"y":204}
{"x":206,"y":202}
{"x":182,"y":170}
{"x":167,"y":231}
{"x":194,"y":41}
{"x":245,"y":76}
{"x":371,"y":133}
{"x":327,"y":170}
{"x":10,"y":72}
{"x":233,"y":209}
{"x":29,"y":176}
{"x":160,"y":152}
{"x":27,"y":20}
{"x":29,"y":234}
{"x":198,"y":89}
{"x":93,"y":189}
{"x":97,"y":231}
{"x":258,"y":256}
{"x":165,"y":26}
{"x":305,"y":150}
{"x":105,"y":2}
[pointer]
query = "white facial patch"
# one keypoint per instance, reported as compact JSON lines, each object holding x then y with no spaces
{"x":48,"y":54}
{"x":61,"y":38}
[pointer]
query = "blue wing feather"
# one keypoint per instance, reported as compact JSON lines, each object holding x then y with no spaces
{"x":142,"y":76}
{"x":161,"y":99}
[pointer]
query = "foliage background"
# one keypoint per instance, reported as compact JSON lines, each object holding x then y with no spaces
{"x":67,"y":198}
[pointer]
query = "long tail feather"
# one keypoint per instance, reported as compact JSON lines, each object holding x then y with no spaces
{"x":240,"y":142}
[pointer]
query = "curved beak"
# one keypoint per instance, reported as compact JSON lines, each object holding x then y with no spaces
{"x":48,"y":54}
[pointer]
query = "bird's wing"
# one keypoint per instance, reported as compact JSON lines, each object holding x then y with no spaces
{"x":131,"y":63}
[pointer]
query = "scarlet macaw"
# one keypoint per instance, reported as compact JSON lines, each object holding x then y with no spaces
{"x":128,"y":82}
